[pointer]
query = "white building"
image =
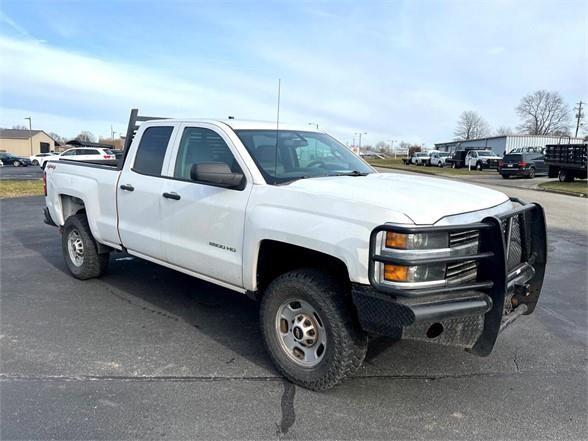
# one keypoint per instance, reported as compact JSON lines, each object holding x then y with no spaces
{"x":504,"y":144}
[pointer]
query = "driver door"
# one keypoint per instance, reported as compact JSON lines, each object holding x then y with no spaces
{"x":202,"y":224}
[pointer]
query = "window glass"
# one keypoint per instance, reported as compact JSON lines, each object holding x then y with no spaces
{"x":151,"y":150}
{"x":69,"y":153}
{"x":200,"y":145}
{"x":299,"y":154}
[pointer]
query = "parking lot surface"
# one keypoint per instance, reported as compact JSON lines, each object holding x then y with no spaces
{"x":31,"y":172}
{"x":146,"y":352}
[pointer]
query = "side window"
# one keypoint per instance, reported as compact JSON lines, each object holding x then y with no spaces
{"x":69,"y":153}
{"x":200,"y":145}
{"x":151,"y":150}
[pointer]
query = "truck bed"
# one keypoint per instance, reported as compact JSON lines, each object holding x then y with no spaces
{"x":572,"y":156}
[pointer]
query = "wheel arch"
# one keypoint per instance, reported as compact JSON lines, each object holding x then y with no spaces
{"x":275,"y":258}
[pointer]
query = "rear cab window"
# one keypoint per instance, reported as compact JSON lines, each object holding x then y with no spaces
{"x":151,"y":150}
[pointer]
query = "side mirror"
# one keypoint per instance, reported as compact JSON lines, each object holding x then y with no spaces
{"x":216,"y":173}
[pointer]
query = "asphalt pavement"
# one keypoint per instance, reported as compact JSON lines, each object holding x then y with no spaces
{"x":148,"y":353}
{"x":21,"y":173}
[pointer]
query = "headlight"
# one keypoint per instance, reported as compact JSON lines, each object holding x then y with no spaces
{"x":414,"y":245}
{"x":412,"y":274}
{"x":416,"y":241}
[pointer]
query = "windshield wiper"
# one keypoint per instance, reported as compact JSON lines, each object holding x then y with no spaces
{"x":352,"y":173}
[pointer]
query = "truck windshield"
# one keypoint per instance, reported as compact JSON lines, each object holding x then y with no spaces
{"x":300,"y":155}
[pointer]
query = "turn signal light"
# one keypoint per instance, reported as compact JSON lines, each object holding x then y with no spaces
{"x":395,"y":273}
{"x":396,"y":240}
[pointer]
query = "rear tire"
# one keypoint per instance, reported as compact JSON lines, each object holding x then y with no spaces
{"x":35,"y":162}
{"x":16,"y":163}
{"x":308,"y":302}
{"x":565,"y":176}
{"x":80,"y":250}
{"x":531,"y":173}
{"x":505,"y":176}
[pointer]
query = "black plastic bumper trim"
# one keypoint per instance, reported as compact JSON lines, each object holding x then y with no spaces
{"x":47,"y":218}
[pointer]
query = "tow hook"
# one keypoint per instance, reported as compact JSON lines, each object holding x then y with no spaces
{"x":520,"y":292}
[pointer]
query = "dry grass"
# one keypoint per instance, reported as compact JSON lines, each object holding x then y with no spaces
{"x":577,"y":187}
{"x":445,"y":171}
{"x":13,"y":188}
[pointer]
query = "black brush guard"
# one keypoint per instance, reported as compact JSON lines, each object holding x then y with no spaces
{"x":511,"y":265}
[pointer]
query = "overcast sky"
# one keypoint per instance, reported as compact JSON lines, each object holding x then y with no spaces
{"x":401,"y":70}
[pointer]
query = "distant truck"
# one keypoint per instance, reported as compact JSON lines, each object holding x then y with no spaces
{"x":477,"y":158}
{"x":566,"y":161}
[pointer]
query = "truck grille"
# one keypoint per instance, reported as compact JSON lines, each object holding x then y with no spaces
{"x":463,"y":238}
{"x":514,"y":243}
{"x":467,"y":271}
{"x":461,"y":272}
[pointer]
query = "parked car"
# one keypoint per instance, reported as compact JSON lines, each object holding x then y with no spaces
{"x":421,"y":158}
{"x":566,"y":161}
{"x":438,"y":158}
{"x":522,"y":164}
{"x":482,"y":159}
{"x":87,"y":154}
{"x":40,"y":158}
{"x":12,"y":159}
{"x":333,"y":250}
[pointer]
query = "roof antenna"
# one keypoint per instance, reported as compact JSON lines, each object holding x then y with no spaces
{"x":277,"y":128}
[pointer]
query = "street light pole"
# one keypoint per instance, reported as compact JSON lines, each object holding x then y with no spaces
{"x":360,"y":133}
{"x":314,"y":124}
{"x":30,"y":132}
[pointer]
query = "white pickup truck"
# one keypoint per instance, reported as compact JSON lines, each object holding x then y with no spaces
{"x":333,"y":250}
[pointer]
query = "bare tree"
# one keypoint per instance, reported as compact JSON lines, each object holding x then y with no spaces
{"x":543,"y":113}
{"x":86,"y":136}
{"x":504,"y":131}
{"x":471,"y":126}
{"x":20,"y":127}
{"x":60,"y":139}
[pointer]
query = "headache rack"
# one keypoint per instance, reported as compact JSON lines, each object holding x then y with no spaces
{"x":510,"y":261}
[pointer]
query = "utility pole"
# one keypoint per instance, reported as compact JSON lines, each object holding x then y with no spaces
{"x":392,"y":141}
{"x":360,"y":133}
{"x":30,"y":132}
{"x":579,"y":116}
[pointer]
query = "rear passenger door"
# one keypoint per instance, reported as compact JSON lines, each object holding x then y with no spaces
{"x":202,"y":223}
{"x":139,"y":192}
{"x":539,"y":161}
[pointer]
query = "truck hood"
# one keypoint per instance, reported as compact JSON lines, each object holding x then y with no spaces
{"x":423,"y":199}
{"x":490,"y":157}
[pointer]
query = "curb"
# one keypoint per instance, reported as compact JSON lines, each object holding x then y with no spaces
{"x":567,"y":193}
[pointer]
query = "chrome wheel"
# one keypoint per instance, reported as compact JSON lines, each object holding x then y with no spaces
{"x":75,"y":247}
{"x":301,"y":332}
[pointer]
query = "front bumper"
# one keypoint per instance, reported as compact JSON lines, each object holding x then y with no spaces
{"x":511,"y":266}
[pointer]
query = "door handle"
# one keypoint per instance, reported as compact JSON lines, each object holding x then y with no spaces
{"x":127,"y":187}
{"x":173,"y":195}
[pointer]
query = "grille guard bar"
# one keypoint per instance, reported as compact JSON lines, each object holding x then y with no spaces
{"x":492,"y":257}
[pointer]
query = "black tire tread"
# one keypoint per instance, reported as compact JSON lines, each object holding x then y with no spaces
{"x":351,"y":350}
{"x":95,"y":264}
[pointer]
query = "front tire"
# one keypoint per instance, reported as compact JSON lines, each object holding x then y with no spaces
{"x":35,"y":162}
{"x":80,"y":251}
{"x":310,"y":330}
{"x":479,"y":166}
{"x":16,"y":163}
